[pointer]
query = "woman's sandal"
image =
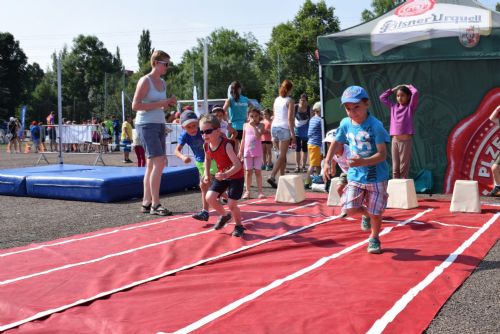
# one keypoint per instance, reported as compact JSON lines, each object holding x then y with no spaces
{"x":160,"y":211}
{"x":146,"y":208}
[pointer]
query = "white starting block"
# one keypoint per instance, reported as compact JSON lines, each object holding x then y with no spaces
{"x":290,"y":189}
{"x":402,"y":194}
{"x":465,"y":197}
{"x":333,"y":196}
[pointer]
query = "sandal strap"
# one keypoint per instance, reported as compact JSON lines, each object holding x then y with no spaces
{"x":146,"y":208}
{"x":160,"y":208}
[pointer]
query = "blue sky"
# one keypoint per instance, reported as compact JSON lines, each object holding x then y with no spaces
{"x":43,"y":26}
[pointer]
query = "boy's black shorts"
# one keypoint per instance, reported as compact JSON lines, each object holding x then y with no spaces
{"x":234,"y":187}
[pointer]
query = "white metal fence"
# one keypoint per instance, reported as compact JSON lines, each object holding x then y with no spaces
{"x":96,"y":139}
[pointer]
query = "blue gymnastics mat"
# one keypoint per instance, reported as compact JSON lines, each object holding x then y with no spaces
{"x":90,"y":183}
{"x":13,"y":181}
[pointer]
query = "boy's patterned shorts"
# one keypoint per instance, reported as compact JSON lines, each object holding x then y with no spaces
{"x":372,"y":195}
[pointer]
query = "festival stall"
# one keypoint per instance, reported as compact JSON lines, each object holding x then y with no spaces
{"x":449,"y":50}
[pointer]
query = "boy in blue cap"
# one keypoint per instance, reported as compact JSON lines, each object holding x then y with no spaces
{"x":191,"y":136}
{"x":368,"y":174}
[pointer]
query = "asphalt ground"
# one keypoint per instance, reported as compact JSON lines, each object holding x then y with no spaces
{"x":473,"y":308}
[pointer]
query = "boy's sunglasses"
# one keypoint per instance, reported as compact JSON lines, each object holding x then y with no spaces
{"x":207,"y":131}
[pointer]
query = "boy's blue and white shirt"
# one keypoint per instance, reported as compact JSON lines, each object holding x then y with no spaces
{"x":195,"y":143}
{"x":314,"y":131}
{"x":362,"y":140}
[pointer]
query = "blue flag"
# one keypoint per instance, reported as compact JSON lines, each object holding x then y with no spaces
{"x":23,"y":115}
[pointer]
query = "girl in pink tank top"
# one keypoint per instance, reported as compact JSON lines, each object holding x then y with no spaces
{"x":251,"y":150}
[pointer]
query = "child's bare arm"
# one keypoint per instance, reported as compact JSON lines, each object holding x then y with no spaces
{"x":234,"y":159}
{"x":259,"y":129}
{"x":380,"y":156}
{"x":207,"y":162}
{"x":178,"y":154}
{"x":242,"y":144}
{"x":329,"y":163}
{"x":231,"y":131}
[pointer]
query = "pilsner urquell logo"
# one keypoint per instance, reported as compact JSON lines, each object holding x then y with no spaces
{"x":414,"y":7}
{"x":469,"y":37}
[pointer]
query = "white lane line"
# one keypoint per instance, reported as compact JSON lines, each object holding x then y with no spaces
{"x":133,"y":250}
{"x":234,"y":305}
{"x":397,"y":222}
{"x":166,"y":273}
{"x":435,"y":222}
{"x":286,"y":214}
{"x":454,"y":225}
{"x":390,"y":315}
{"x":130,"y":228}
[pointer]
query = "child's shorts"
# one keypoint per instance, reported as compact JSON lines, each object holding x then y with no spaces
{"x":234,"y":187}
{"x":126,"y":145}
{"x":201,"y":168}
{"x":372,"y":195}
{"x":252,"y":163}
{"x":314,"y":155}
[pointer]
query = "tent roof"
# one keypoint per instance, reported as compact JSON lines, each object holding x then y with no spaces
{"x":418,"y":30}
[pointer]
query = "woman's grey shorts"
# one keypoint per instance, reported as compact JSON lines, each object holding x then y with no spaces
{"x":280,"y":134}
{"x":152,"y":136}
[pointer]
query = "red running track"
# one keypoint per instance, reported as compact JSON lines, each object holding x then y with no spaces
{"x":316,"y":280}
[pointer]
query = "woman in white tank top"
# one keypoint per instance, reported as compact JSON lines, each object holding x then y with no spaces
{"x":150,"y":100}
{"x":282,"y":128}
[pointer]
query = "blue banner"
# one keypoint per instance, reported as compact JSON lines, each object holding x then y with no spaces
{"x":23,"y":115}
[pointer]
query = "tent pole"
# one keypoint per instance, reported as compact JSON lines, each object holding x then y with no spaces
{"x":320,"y":75}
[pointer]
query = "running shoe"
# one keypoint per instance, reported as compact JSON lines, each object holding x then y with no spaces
{"x":374,"y":246}
{"x":272,"y":182}
{"x":365,"y":223}
{"x":238,"y":231}
{"x":495,"y":191}
{"x":222,"y":221}
{"x":202,"y":215}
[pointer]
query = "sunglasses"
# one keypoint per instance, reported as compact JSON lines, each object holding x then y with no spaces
{"x":165,"y":63}
{"x":207,"y":131}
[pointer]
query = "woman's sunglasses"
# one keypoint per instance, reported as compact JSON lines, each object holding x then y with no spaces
{"x":165,"y":63}
{"x":207,"y":131}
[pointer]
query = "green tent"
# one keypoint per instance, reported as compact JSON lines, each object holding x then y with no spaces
{"x":450,"y":51}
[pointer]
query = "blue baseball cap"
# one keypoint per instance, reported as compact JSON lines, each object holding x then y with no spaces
{"x":354,"y":94}
{"x":188,"y":117}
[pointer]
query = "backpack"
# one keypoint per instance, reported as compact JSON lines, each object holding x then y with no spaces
{"x":116,"y":126}
{"x":424,"y":182}
{"x":12,"y":126}
{"x":35,"y":132}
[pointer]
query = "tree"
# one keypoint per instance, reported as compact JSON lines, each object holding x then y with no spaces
{"x":230,"y":57}
{"x":145,"y":52}
{"x":84,"y":70}
{"x":291,"y":51}
{"x":44,"y":97}
{"x":33,"y":75}
{"x":379,"y":7}
{"x":497,"y":8}
{"x":12,"y":68}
